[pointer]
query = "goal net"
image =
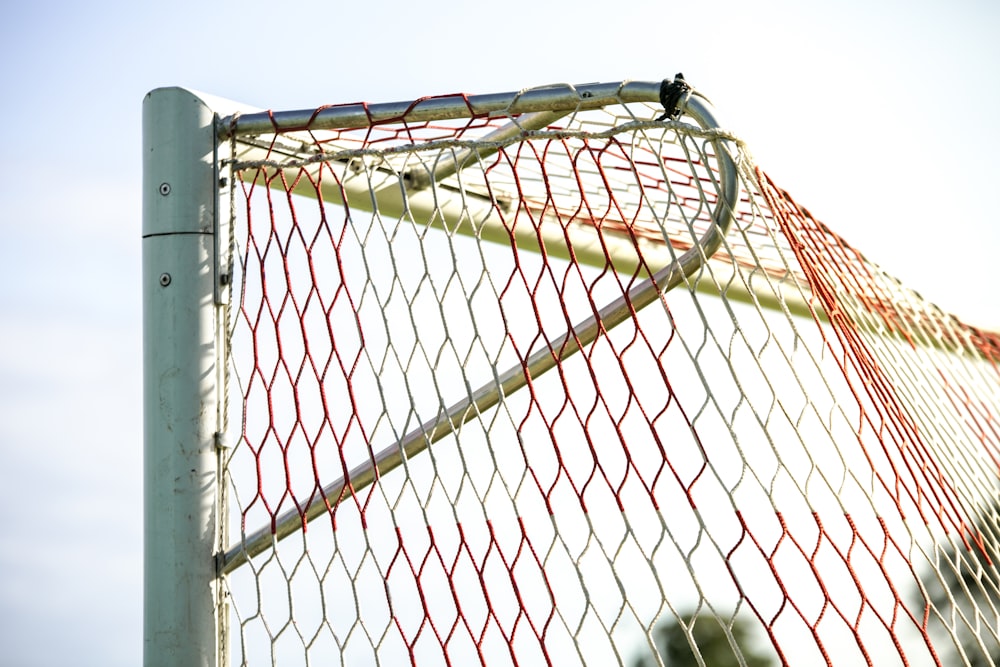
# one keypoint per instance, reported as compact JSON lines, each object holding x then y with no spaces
{"x":559,"y":378}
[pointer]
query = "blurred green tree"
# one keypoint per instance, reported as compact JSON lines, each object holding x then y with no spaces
{"x":719,"y":643}
{"x":962,"y":590}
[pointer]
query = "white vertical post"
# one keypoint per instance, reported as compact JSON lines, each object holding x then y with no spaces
{"x":182,"y":605}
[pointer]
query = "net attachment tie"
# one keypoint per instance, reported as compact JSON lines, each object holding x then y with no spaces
{"x":671,"y":94}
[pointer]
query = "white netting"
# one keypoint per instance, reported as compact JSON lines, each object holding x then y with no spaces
{"x":709,"y":475}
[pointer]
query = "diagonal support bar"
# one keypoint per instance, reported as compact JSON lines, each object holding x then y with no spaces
{"x":517,"y":377}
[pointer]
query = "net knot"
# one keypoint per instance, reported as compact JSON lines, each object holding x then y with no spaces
{"x":671,"y":94}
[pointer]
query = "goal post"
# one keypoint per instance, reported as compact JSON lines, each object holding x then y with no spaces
{"x":550,"y":377}
{"x":181,"y":370}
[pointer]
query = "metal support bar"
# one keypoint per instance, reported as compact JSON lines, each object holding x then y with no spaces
{"x":565,"y":98}
{"x":444,"y":168}
{"x":517,"y":377}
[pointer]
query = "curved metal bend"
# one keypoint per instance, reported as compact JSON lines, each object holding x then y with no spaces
{"x":584,"y":333}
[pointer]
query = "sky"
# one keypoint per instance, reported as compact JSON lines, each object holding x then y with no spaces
{"x":878,"y":116}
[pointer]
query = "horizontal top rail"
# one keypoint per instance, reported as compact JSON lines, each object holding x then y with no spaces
{"x":560,"y":97}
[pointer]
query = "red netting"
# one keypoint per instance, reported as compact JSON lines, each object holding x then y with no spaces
{"x":715,"y":470}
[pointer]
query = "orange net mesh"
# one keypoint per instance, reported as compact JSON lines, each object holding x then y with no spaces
{"x":714,"y":473}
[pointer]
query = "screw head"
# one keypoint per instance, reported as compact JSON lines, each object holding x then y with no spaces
{"x":164,"y":189}
{"x":164,"y":279}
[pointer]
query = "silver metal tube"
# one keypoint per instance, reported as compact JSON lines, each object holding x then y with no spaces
{"x":565,"y":98}
{"x":446,"y":167}
{"x":516,"y":377}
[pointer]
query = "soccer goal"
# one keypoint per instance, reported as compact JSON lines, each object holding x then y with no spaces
{"x":553,"y":377}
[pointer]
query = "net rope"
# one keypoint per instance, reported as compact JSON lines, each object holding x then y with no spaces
{"x":790,"y":458}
